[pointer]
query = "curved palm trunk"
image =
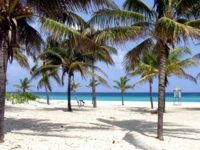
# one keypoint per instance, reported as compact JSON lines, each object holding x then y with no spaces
{"x":93,"y":90}
{"x":150,"y":89}
{"x":122,"y":98}
{"x":161,"y":94}
{"x":69,"y":92}
{"x":76,"y":97}
{"x":3,"y":69}
{"x":47,"y":94}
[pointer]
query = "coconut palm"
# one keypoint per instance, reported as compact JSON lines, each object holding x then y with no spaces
{"x":168,"y":23}
{"x":46,"y":72}
{"x":148,"y":66}
{"x":122,"y":85}
{"x":93,"y":83}
{"x":24,"y":85}
{"x":71,"y":60}
{"x":101,"y":53}
{"x":74,"y":87}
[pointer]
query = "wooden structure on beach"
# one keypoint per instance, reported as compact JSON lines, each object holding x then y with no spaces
{"x":177,"y":95}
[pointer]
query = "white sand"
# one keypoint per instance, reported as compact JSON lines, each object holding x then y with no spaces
{"x":36,"y":126}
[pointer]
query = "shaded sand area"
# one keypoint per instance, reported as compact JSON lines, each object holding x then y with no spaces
{"x":36,"y":126}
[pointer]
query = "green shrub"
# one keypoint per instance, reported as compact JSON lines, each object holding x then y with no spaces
{"x":19,"y":98}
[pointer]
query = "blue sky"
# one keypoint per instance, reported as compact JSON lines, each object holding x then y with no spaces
{"x":15,"y":73}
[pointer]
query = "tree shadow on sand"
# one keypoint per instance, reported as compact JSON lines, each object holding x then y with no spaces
{"x":137,"y":129}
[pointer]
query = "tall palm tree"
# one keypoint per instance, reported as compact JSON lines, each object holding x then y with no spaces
{"x":93,"y":83}
{"x":74,"y":87}
{"x":168,"y":23}
{"x":71,"y":60}
{"x":101,"y":53}
{"x":148,"y":66}
{"x":122,"y":85}
{"x":46,"y":72}
{"x":14,"y":15}
{"x":24,"y":85}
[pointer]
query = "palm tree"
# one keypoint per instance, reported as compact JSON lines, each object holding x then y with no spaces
{"x":74,"y":87}
{"x":47,"y":72}
{"x":14,"y":16}
{"x":102,"y":52}
{"x":71,"y":60}
{"x":148,"y":66}
{"x":93,"y":83}
{"x":24,"y":85}
{"x":122,"y":85}
{"x":96,"y":83}
{"x":168,"y":23}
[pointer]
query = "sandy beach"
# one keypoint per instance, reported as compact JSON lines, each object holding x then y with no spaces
{"x":37,"y":126}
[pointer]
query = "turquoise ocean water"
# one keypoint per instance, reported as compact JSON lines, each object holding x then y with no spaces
{"x":103,"y":96}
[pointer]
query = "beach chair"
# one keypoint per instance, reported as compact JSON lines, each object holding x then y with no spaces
{"x":81,"y":102}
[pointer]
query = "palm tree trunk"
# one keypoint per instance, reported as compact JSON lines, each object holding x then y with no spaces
{"x":69,"y":92}
{"x":150,"y":89}
{"x":161,"y":94}
{"x":76,"y":97}
{"x":47,"y":94}
{"x":93,"y":89}
{"x":122,"y":98}
{"x":3,"y":69}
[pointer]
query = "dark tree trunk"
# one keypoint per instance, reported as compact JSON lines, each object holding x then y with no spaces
{"x":161,"y":94}
{"x":69,"y":92}
{"x":93,"y":90}
{"x":122,"y":98}
{"x":150,"y":89}
{"x":3,"y":69}
{"x":47,"y":94}
{"x":164,"y":105}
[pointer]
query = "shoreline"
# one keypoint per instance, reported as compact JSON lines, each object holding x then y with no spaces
{"x":88,"y":103}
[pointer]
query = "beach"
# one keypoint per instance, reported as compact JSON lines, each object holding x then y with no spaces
{"x":111,"y":126}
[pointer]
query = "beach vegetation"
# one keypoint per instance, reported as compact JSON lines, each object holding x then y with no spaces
{"x":168,"y":23}
{"x":25,"y":84}
{"x":19,"y":98}
{"x":123,"y":86}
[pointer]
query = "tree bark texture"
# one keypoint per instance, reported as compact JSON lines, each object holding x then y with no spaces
{"x":161,"y":93}
{"x":94,"y":90}
{"x":47,"y":94}
{"x":3,"y":69}
{"x":69,"y":92}
{"x":150,"y":89}
{"x":122,"y":98}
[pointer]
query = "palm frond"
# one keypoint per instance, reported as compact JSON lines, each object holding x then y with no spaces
{"x":138,"y":6}
{"x":176,"y":31}
{"x":110,"y":18}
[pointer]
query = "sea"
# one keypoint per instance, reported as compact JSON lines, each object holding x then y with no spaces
{"x":116,"y":96}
